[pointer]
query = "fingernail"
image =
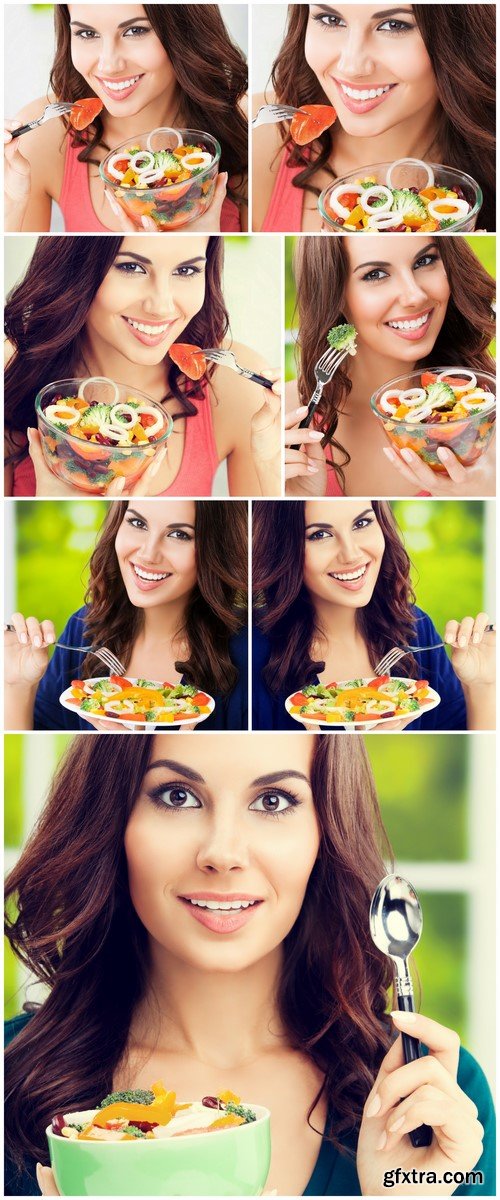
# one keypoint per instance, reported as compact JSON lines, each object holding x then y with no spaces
{"x":442,"y":452}
{"x":449,"y":639}
{"x":380,"y":1145}
{"x":116,"y":486}
{"x":6,"y":136}
{"x":313,"y":470}
{"x":112,"y":202}
{"x":49,"y":639}
{"x":300,"y":412}
{"x":315,"y":435}
{"x":462,"y":641}
{"x":407,"y":455}
{"x":29,"y":434}
{"x":374,"y":1106}
{"x":389,"y":453}
{"x":397,"y":1125}
{"x":23,"y":638}
{"x":37,"y":642}
{"x":155,"y":467}
{"x":404,"y":1017}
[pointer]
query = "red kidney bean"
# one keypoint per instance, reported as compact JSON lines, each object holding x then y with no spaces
{"x":58,"y":1124}
{"x":212,"y":1102}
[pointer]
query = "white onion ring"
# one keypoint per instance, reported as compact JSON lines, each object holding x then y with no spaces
{"x":52,"y":409}
{"x":418,"y":414}
{"x":384,"y":401}
{"x":111,"y":432}
{"x":151,"y":176}
{"x":484,"y":400}
{"x":124,"y":706}
{"x":383,"y":220}
{"x":118,"y":158}
{"x":163,"y":129}
{"x":147,"y":154}
{"x":413,"y":396}
{"x":460,"y":208}
{"x":339,"y":209}
{"x":461,"y":373}
{"x":98,"y":379}
{"x":191,"y":166}
{"x":415,"y":162}
{"x":375,"y":192}
{"x":114,"y":416}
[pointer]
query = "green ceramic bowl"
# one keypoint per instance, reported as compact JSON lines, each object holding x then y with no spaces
{"x":231,"y":1162}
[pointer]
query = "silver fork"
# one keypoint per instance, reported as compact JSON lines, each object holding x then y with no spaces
{"x":102,"y":653}
{"x":226,"y":358}
{"x":395,"y":655}
{"x":268,"y":114}
{"x":324,"y":371}
{"x":58,"y":109}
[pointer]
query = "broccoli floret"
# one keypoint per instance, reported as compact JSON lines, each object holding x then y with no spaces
{"x":152,"y":714}
{"x":60,"y":425}
{"x":167,"y":161}
{"x":132,"y":1129}
{"x":90,"y":704}
{"x":146,"y":683}
{"x":342,"y":337}
{"x":95,"y":415}
{"x":138,"y":1096}
{"x":408,"y":703}
{"x":446,"y":223}
{"x":352,"y":683}
{"x":348,"y":714}
{"x":439,"y":394}
{"x":367,"y":183}
{"x":407,"y":204}
{"x":181,"y":690}
{"x":238,"y":1110}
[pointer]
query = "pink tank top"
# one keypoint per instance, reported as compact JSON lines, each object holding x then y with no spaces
{"x":76,"y":204}
{"x":197,"y":469}
{"x":284,"y":214}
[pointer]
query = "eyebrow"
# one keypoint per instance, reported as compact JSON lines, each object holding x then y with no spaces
{"x":378,"y":263}
{"x":188,"y":773}
{"x":388,"y":12}
{"x":327,"y":525}
{"x":122,"y":25}
{"x":188,"y":262}
{"x":171,"y":525}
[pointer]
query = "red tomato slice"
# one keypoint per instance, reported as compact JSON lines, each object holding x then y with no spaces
{"x":201,"y":698}
{"x":119,"y":681}
{"x":78,"y":683}
{"x":349,"y":199}
{"x":84,"y":112}
{"x":378,"y":681}
{"x":427,"y":378}
{"x":189,"y":359}
{"x":421,"y":683}
{"x":310,"y":121}
{"x":298,"y":699}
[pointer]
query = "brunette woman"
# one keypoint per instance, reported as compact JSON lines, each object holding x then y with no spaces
{"x":415,"y":302}
{"x":166,"y":594}
{"x":288,"y":1009}
{"x":392,"y":79}
{"x":182,"y":69}
{"x":333,"y":594}
{"x":76,"y":313}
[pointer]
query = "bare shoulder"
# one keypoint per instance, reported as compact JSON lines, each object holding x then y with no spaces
{"x":45,"y":146}
{"x":291,"y":395}
{"x":9,"y":351}
{"x":234,"y":399}
{"x":267,"y":147}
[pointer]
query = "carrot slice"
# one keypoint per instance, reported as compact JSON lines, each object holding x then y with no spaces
{"x":310,"y":121}
{"x":84,"y":112}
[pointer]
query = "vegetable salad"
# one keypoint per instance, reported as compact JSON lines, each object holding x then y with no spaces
{"x":371,"y":204}
{"x":152,"y":1114}
{"x":139,"y":700}
{"x":361,"y":700}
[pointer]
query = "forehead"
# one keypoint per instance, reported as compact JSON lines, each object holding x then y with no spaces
{"x":105,"y":16}
{"x":238,"y":759}
{"x":164,"y":512}
{"x":366,"y":12}
{"x":387,"y":248}
{"x":335,"y":512}
{"x":154,"y":251}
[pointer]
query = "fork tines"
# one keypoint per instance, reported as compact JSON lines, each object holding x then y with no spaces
{"x":109,"y":660}
{"x":331,"y":359}
{"x":389,"y":660}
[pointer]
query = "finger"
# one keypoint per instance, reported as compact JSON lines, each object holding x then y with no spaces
{"x":450,"y":633}
{"x":441,"y":1042}
{"x":400,"y":466}
{"x":42,"y":473}
{"x":19,"y":623}
{"x":292,"y":456}
{"x":449,"y":460}
{"x":35,"y":633}
{"x":291,"y":418}
{"x":448,"y":1118}
{"x":294,"y":470}
{"x":480,"y":624}
{"x":48,"y":633}
{"x":302,"y":435}
{"x":465,"y":632}
{"x":403,"y":1081}
{"x":115,"y":488}
{"x":125,"y":223}
{"x":421,"y":472}
{"x":46,"y":1181}
{"x":142,"y":487}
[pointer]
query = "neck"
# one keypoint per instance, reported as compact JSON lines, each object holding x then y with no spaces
{"x":100,"y":358}
{"x":161,"y":625}
{"x":413,"y":138}
{"x":336,"y":623}
{"x":160,"y":113}
{"x":221,"y":1019}
{"x":369,"y":371}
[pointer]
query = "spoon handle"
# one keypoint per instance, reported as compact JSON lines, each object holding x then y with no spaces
{"x":413,"y":1050}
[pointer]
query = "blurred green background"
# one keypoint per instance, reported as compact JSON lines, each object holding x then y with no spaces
{"x":483,"y":245}
{"x":426,"y":785}
{"x":52,"y":543}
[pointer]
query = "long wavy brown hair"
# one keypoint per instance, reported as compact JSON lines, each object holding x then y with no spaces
{"x":321,"y":269}
{"x":73,"y":925}
{"x":285,"y":611}
{"x":215,"y":609}
{"x":460,"y":41}
{"x":46,"y":315}
{"x":211,"y":75}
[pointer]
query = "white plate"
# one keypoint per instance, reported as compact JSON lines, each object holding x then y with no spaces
{"x":434,"y":700}
{"x":64,"y":699}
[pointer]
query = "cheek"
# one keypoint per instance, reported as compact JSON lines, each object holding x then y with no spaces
{"x":190,"y":296}
{"x":438,"y":285}
{"x":365,"y":307}
{"x":316,"y":49}
{"x":293,"y":862}
{"x":415,"y":67}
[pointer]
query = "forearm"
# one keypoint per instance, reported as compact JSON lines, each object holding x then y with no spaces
{"x":480,"y":705}
{"x":19,"y":706}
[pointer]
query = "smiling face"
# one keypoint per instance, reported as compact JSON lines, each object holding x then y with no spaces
{"x":396,"y":294}
{"x":371,"y":62}
{"x":343,"y":551}
{"x":150,"y":294}
{"x":220,"y":846}
{"x":120,"y":56}
{"x":155,"y":548}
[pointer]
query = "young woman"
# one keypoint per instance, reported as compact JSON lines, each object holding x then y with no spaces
{"x":391,"y":76}
{"x":76,"y":313}
{"x":332,"y":591}
{"x":166,"y":594}
{"x":275,"y":1009}
{"x":407,"y":298}
{"x":182,"y":70}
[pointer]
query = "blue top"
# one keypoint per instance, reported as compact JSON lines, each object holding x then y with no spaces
{"x":334,"y":1173}
{"x":230,"y":712}
{"x":268,"y":708}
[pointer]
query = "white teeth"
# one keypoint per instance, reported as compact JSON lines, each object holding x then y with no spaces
{"x":349,"y":575}
{"x":120,"y":87}
{"x":417,"y":324}
{"x":221,"y":904}
{"x":149,"y":575}
{"x":151,"y":330}
{"x":366,"y":94}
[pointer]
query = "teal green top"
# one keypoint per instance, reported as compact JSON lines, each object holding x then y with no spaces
{"x":334,"y":1173}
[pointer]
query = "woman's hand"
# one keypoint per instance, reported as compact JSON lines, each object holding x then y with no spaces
{"x":459,"y":481}
{"x":17,"y":180}
{"x":209,"y":222}
{"x":26,"y":655}
{"x":46,"y":1181}
{"x":405,"y":1096}
{"x":48,"y":484}
{"x":265,"y":437}
{"x":305,"y":469}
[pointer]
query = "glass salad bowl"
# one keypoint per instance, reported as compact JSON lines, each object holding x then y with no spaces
{"x":167,"y":175}
{"x":446,"y":406}
{"x":405,"y":195}
{"x":95,"y":430}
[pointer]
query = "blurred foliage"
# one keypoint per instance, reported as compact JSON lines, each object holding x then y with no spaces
{"x":483,"y":246}
{"x":54,"y":543}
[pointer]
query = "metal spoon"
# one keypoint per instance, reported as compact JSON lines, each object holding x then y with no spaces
{"x":395,"y":926}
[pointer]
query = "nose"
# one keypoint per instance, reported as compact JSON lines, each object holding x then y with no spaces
{"x":347,"y":548}
{"x":160,"y":300}
{"x":411,"y":294}
{"x":111,"y":59}
{"x":151,"y":549}
{"x":355,"y":60}
{"x":223,"y":847}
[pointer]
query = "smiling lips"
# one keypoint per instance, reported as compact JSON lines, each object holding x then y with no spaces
{"x":147,"y":580}
{"x":221,"y":912}
{"x":411,"y":328}
{"x":362,"y":99}
{"x":150,"y":333}
{"x":119,"y":89}
{"x":353,"y":580}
